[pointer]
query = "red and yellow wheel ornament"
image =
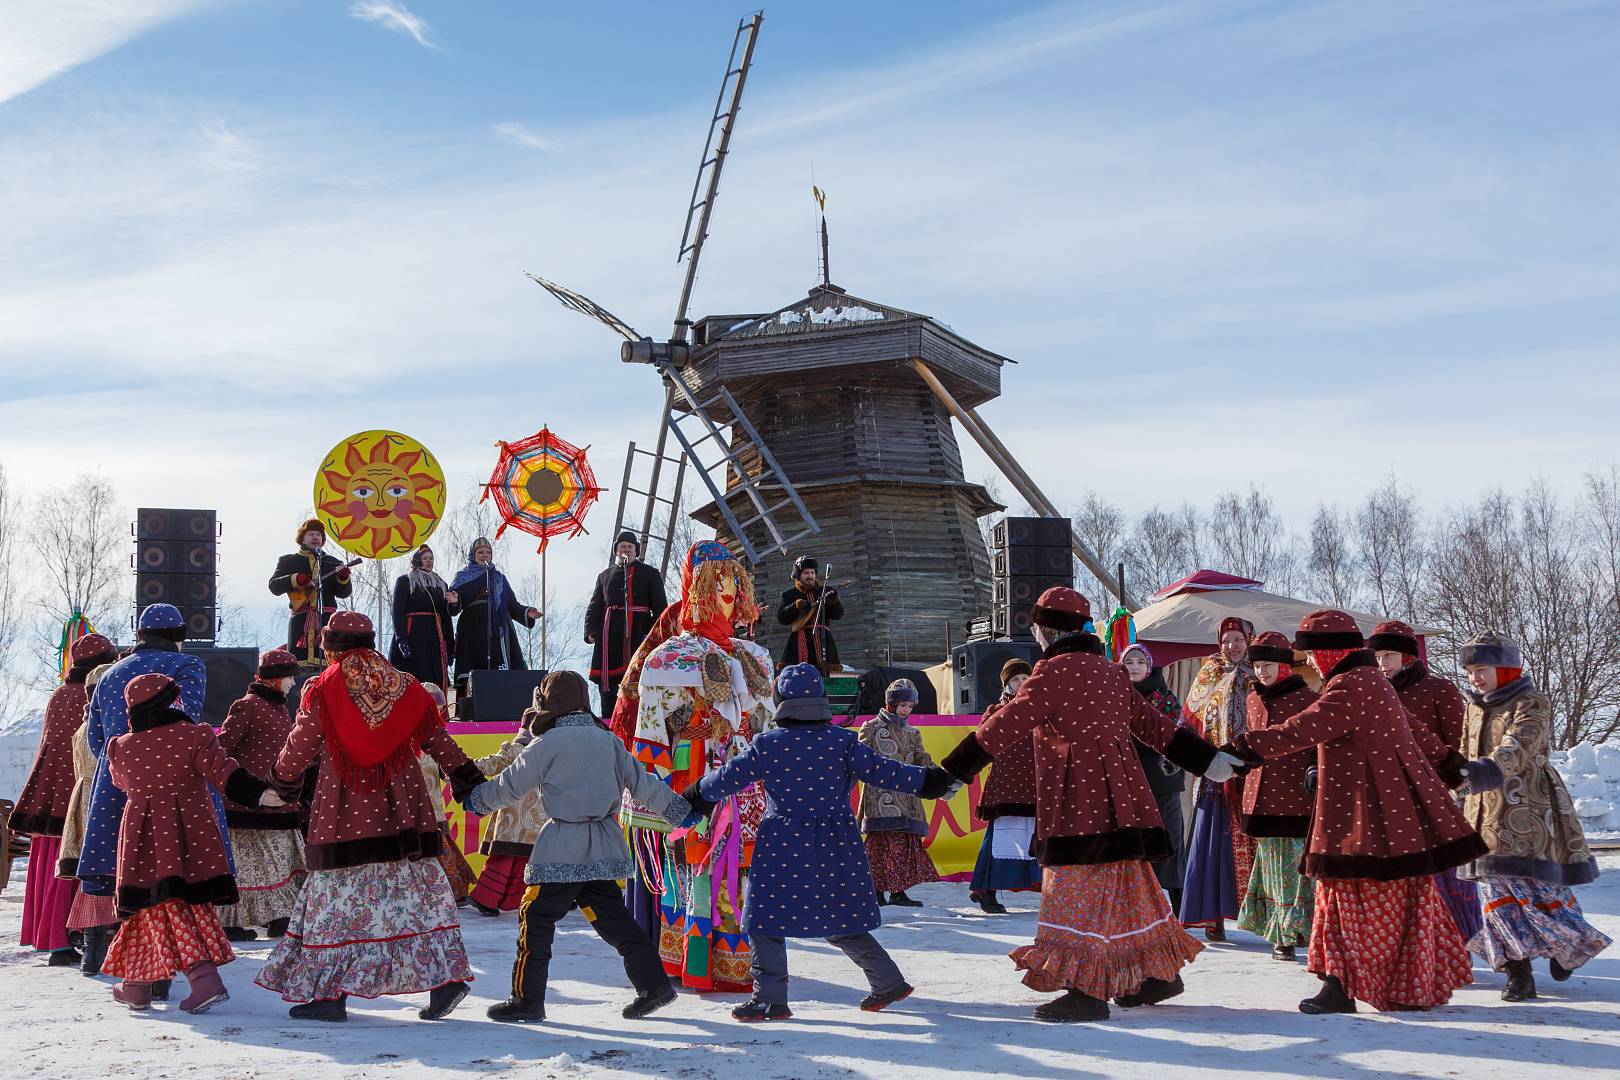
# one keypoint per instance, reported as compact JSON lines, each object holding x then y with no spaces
{"x":543,"y":486}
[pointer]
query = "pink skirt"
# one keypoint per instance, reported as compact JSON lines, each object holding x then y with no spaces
{"x":47,"y":899}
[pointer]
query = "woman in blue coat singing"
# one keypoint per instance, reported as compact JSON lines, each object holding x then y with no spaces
{"x":810,"y":876}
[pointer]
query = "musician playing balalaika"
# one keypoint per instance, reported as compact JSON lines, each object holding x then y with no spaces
{"x":313,"y":582}
{"x":805,"y":610}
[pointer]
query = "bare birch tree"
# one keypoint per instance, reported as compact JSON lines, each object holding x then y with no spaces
{"x":11,"y":587}
{"x":1332,"y":561}
{"x":81,"y":544}
{"x":1392,"y":547}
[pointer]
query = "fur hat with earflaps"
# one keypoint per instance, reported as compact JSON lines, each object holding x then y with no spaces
{"x":311,"y":525}
{"x":1491,"y":649}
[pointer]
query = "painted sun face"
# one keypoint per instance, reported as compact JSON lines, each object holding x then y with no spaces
{"x":380,"y":494}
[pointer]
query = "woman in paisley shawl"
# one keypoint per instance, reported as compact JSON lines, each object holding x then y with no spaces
{"x":1219,"y":855}
{"x":699,"y":695}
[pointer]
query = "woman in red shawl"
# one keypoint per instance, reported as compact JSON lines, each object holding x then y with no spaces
{"x":376,"y":915}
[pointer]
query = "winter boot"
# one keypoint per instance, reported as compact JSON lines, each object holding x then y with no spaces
{"x":1284,"y":952}
{"x":650,"y":1001}
{"x":1216,"y":933}
{"x":1072,"y":1008}
{"x":1558,"y":971}
{"x":207,"y":989}
{"x":137,"y":995}
{"x":1151,"y":992}
{"x":1330,"y":999}
{"x":517,"y":1010}
{"x":277,"y":928}
{"x":756,"y":1011}
{"x":240,"y":933}
{"x":96,"y":941}
{"x":71,"y":958}
{"x":877,"y":1002}
{"x":485,"y":909}
{"x":443,"y":1000}
{"x":333,"y":1011}
{"x":900,"y":899}
{"x":990,"y":905}
{"x":1521,"y":984}
{"x":160,"y":989}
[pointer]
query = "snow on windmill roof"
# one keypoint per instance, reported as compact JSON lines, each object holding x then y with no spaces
{"x":826,"y":308}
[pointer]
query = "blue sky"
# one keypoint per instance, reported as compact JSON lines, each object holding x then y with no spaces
{"x":1293,"y":243}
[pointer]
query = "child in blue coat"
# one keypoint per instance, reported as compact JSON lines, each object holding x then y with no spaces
{"x":810,"y":875}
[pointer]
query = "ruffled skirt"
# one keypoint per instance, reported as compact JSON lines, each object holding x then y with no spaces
{"x":1525,"y":919}
{"x":156,"y":943}
{"x":1391,"y":943}
{"x":1104,"y":930}
{"x":269,"y":871}
{"x":370,"y":930}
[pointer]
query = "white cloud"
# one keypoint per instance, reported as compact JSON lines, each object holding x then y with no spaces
{"x":40,"y":39}
{"x":395,"y":17}
{"x":522,"y":135}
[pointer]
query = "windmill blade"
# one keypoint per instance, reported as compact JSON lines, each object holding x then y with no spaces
{"x":713,"y":161}
{"x":568,"y":298}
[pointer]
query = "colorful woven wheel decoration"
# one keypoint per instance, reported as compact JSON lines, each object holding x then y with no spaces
{"x":542,"y":486}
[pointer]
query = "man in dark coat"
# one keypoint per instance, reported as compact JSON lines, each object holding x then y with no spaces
{"x":805,"y":609}
{"x":313,"y":582}
{"x":628,"y":596}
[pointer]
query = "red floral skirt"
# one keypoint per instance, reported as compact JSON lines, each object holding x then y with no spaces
{"x":1391,"y":943}
{"x":899,"y":861}
{"x":174,"y":936}
{"x":1103,"y":930}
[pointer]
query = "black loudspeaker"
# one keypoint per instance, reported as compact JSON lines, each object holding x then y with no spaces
{"x":874,"y":681}
{"x":175,"y":563}
{"x":496,"y":696}
{"x":1015,"y":532}
{"x":1031,"y":555}
{"x":229,"y":672}
{"x":977,"y":666}
{"x":1034,"y":561}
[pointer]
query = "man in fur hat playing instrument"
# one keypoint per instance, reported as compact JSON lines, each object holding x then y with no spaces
{"x":805,"y":609}
{"x":313,"y":582}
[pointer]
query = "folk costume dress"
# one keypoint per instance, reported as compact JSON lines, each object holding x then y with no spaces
{"x":1277,"y":814}
{"x":172,"y":863}
{"x":266,"y":843}
{"x":1167,"y":780}
{"x":624,"y":604}
{"x":1382,"y":824}
{"x":1538,"y":850}
{"x":47,"y":796}
{"x":893,"y":821}
{"x":87,"y":911}
{"x":1007,"y":802}
{"x":424,"y":626}
{"x":1219,"y":855}
{"x":508,"y":838}
{"x":701,"y":696}
{"x":486,"y":637}
{"x":376,"y":915}
{"x":1105,"y":927}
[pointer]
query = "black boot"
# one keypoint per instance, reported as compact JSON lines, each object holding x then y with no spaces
{"x":96,"y":940}
{"x":1283,"y":952}
{"x":486,"y":910}
{"x":443,"y":1000}
{"x":1330,"y":999}
{"x":990,"y":905}
{"x":1521,"y":984}
{"x":76,"y":938}
{"x":70,"y":958}
{"x":334,"y":1011}
{"x":516,"y":1010}
{"x":277,"y":928}
{"x":1072,"y":1008}
{"x":1151,"y":992}
{"x":755,"y":1011}
{"x":900,"y":899}
{"x":240,"y":933}
{"x":160,"y":989}
{"x":650,"y":1001}
{"x":877,"y":1002}
{"x":1558,"y":971}
{"x":1216,"y":933}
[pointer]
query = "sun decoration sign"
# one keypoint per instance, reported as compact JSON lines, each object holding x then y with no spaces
{"x":542,"y":486}
{"x":380,"y":494}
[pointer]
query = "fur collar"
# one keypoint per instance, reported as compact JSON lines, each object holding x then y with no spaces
{"x":161,"y":718}
{"x":1152,"y":684}
{"x":1503,"y":694}
{"x":1358,"y":658}
{"x":1281,"y":688}
{"x":1410,"y":675}
{"x":267,"y":692}
{"x":1075,"y":643}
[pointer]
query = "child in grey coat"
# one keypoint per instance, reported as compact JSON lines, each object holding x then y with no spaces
{"x":581,"y":769}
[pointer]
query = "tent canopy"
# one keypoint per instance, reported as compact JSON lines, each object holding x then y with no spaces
{"x":1206,"y":581}
{"x":1184,"y":625}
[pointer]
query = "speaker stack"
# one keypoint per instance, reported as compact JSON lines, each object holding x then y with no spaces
{"x":176,"y":562}
{"x":1032,"y":554}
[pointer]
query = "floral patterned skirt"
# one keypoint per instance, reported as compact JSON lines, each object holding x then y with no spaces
{"x":154,"y":944}
{"x":1391,"y":943}
{"x":269,"y":871}
{"x":899,"y":861}
{"x":1103,"y":930}
{"x":47,"y":899}
{"x":457,"y":870}
{"x":380,"y":928}
{"x":1525,"y":919}
{"x":1278,"y":903}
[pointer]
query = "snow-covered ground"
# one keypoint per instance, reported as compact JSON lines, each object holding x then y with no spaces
{"x":969,"y":1019}
{"x":1592,"y":774}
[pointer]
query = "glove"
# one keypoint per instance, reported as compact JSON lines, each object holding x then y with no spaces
{"x":1223,"y":768}
{"x":343,"y":574}
{"x":694,"y":798}
{"x":303,"y":581}
{"x":1310,"y":780}
{"x":939,"y":784}
{"x":404,"y":649}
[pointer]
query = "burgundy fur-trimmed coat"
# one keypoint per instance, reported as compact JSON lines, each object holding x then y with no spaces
{"x":1274,"y":799}
{"x":1381,"y":811}
{"x":255,"y":729}
{"x":1009,"y":790}
{"x":169,"y":846}
{"x":352,"y":824}
{"x":1432,"y":701}
{"x":43,"y":805}
{"x":1093,"y":803}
